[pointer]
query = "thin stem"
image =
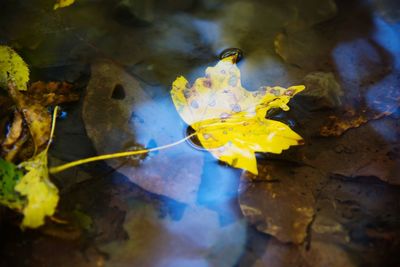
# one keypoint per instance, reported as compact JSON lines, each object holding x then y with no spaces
{"x":53,"y":126}
{"x":116,"y":155}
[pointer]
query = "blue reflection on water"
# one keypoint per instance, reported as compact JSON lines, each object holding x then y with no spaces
{"x":372,"y":64}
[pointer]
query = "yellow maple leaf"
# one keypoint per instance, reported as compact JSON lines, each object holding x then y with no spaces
{"x":230,"y":121}
{"x":63,"y":3}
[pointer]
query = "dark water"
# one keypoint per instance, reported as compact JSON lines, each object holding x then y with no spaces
{"x":332,"y":202}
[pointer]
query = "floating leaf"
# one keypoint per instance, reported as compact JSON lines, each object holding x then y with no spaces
{"x":229,"y":120}
{"x":12,"y":67}
{"x":10,"y":175}
{"x":63,"y":3}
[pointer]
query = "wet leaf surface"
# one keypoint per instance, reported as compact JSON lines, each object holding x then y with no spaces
{"x":32,"y":113}
{"x":277,"y":188}
{"x":230,"y":121}
{"x":41,"y":194}
{"x":15,"y":138}
{"x":372,"y":155}
{"x":36,"y":116}
{"x":52,"y":93}
{"x":346,"y":220}
{"x":12,"y":67}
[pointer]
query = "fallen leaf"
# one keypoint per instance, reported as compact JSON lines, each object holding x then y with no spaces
{"x":280,"y":200}
{"x":338,"y":125}
{"x":15,"y":130}
{"x":36,"y":116}
{"x":41,"y":194}
{"x":12,"y":67}
{"x":229,"y":120}
{"x":28,"y":189}
{"x":375,"y":154}
{"x":63,"y":3}
{"x":10,"y":175}
{"x":322,"y":89}
{"x":33,"y":105}
{"x":52,"y":93}
{"x":21,"y":148}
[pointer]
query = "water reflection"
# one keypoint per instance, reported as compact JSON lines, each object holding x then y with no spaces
{"x":197,"y":238}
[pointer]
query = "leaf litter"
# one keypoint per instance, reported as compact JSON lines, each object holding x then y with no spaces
{"x":341,"y":150}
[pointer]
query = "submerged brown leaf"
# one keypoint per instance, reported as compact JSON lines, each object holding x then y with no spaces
{"x":32,"y":113}
{"x":280,"y":200}
{"x":15,"y":138}
{"x":36,"y":116}
{"x":52,"y":93}
{"x":15,"y":130}
{"x":351,"y":119}
{"x":120,"y":115}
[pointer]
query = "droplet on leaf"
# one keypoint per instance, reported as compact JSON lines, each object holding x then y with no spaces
{"x":229,"y":120}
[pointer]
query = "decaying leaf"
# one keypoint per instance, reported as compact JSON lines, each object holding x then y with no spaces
{"x":52,"y":93}
{"x":63,"y":3}
{"x":352,"y":156}
{"x":33,"y":105}
{"x":280,"y":201}
{"x":351,"y":119}
{"x":15,"y":138}
{"x":28,"y":189}
{"x":12,"y":67}
{"x":36,"y":116}
{"x":15,"y":130}
{"x":229,"y":120}
{"x":41,"y":194}
{"x":337,"y":126}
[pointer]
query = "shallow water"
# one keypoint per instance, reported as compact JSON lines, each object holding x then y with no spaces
{"x":331,"y":202}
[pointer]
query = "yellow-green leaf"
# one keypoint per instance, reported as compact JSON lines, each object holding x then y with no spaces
{"x":63,"y":3}
{"x":41,"y":194}
{"x":12,"y":67}
{"x":229,"y":120}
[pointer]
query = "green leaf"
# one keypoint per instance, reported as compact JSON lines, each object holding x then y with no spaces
{"x":12,"y":67}
{"x":10,"y":175}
